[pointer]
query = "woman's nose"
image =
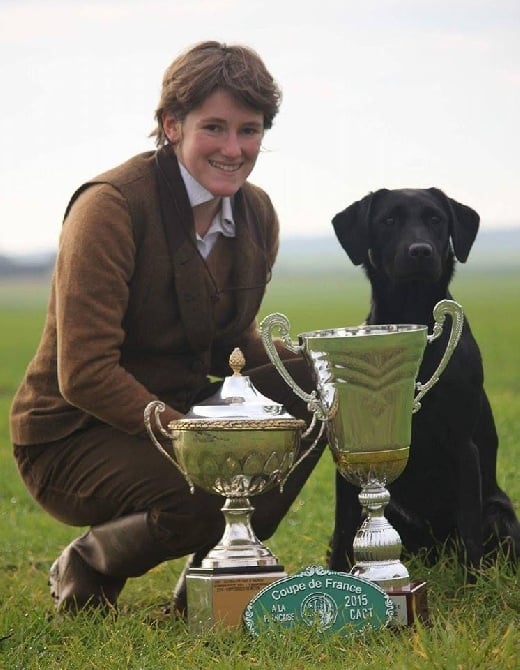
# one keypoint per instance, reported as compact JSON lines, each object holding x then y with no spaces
{"x":231,"y":145}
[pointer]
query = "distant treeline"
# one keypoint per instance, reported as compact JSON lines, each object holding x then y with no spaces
{"x":493,"y":249}
{"x":26,"y":266}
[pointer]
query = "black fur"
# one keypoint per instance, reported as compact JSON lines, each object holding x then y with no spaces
{"x":408,"y":241}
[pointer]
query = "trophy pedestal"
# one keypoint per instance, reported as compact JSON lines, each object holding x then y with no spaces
{"x":411,"y":605}
{"x":217,"y":597}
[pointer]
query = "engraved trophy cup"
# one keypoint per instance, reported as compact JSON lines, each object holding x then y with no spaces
{"x":238,"y":444}
{"x":366,"y":393}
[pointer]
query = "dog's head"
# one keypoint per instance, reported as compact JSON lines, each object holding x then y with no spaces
{"x":406,"y":233}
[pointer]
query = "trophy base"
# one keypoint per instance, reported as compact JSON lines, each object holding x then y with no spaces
{"x":217,"y":597}
{"x":410,"y":605}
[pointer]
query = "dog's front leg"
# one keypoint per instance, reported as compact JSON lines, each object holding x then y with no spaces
{"x":346,"y":523}
{"x":469,"y":507}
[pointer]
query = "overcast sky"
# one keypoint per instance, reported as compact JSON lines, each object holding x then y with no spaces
{"x":377,"y":93}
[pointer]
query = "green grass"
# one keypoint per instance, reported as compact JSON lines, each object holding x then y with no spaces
{"x":473,"y":627}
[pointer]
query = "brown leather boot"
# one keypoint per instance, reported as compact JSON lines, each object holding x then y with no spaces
{"x":93,"y":569}
{"x":75,"y":585}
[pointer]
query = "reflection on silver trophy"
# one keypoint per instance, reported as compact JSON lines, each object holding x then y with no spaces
{"x":238,"y":444}
{"x":366,"y":393}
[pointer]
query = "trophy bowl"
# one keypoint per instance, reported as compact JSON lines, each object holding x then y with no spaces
{"x":237,"y":444}
{"x":235,"y":458}
{"x":366,"y":393}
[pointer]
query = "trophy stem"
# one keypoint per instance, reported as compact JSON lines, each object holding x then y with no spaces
{"x":239,"y":545}
{"x":377,"y":545}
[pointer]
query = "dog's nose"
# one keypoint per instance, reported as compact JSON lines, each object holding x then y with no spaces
{"x":420,"y":250}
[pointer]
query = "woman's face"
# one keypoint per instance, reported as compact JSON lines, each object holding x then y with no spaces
{"x":218,"y":142}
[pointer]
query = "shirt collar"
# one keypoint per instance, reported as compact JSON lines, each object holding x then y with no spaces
{"x":222,"y":223}
{"x":197,"y":195}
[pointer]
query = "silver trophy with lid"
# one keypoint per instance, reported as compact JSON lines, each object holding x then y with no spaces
{"x":238,"y":444}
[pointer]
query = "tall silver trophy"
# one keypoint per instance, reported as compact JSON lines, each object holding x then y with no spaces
{"x":238,"y":444}
{"x":366,"y":392}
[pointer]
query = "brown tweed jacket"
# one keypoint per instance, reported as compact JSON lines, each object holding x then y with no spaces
{"x":135,"y":313}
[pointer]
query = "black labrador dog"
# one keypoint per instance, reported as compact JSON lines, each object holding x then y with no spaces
{"x":408,"y":241}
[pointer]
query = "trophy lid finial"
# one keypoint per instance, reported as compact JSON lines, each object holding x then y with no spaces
{"x":236,"y":361}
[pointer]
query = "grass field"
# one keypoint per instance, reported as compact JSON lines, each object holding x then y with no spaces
{"x":473,"y":627}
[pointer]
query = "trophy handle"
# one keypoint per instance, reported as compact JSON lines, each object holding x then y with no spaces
{"x":281,"y":322}
{"x":156,"y":407}
{"x":307,"y":451}
{"x":440,"y":310}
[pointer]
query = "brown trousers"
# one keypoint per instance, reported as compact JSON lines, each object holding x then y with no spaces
{"x":100,"y":474}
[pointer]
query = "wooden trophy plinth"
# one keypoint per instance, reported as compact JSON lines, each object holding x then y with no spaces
{"x":411,"y":605}
{"x":217,"y":597}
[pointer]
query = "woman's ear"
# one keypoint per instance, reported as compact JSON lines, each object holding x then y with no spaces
{"x":172,"y":128}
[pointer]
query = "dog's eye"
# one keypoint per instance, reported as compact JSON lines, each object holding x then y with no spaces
{"x":435,"y":219}
{"x":390,"y":220}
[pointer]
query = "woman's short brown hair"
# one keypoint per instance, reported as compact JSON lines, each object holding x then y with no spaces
{"x":208,"y":66}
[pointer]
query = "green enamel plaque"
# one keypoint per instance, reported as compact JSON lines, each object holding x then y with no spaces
{"x":330,"y":601}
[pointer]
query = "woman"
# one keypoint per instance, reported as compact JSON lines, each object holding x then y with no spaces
{"x":162,"y":265}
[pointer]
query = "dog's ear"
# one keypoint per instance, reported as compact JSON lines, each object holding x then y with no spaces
{"x":351,"y":228}
{"x":464,"y":223}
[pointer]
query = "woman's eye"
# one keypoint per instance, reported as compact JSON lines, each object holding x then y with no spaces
{"x":213,"y":127}
{"x":250,"y":132}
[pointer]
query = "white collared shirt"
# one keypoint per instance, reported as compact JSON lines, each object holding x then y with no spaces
{"x":222,"y":224}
